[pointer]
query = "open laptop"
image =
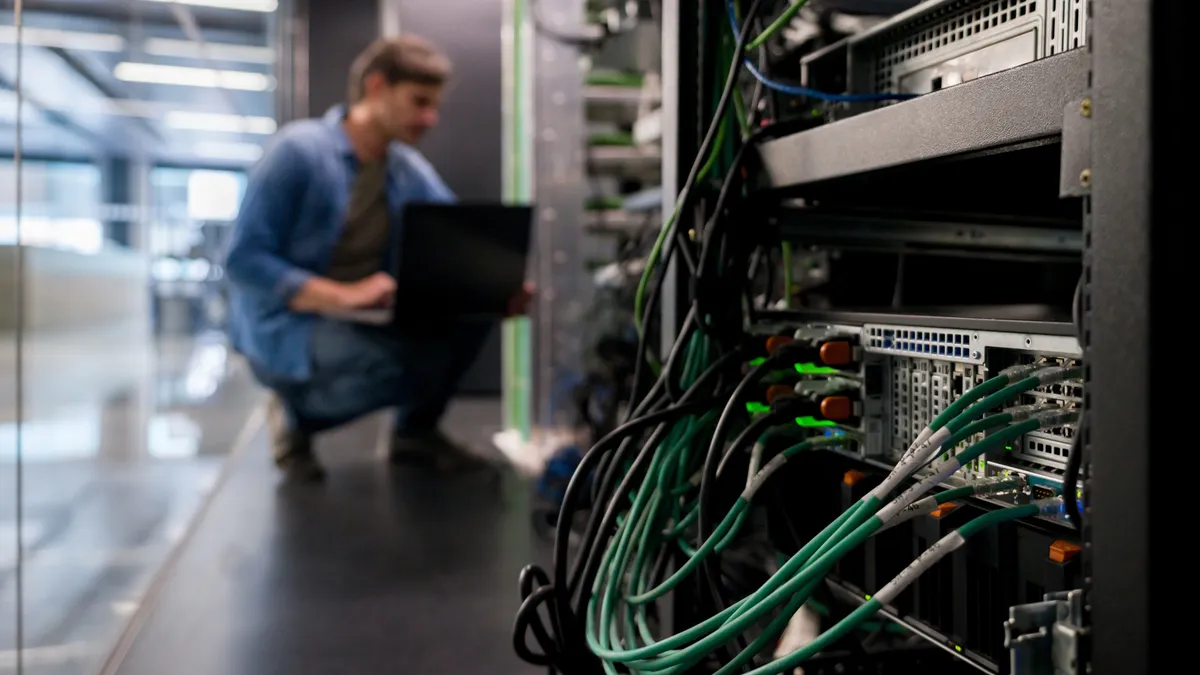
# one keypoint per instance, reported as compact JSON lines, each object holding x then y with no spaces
{"x":455,"y":260}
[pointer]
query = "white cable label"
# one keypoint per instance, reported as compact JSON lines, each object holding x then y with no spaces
{"x":755,"y":460}
{"x":926,"y":505}
{"x":936,"y":442}
{"x":918,"y":508}
{"x":916,"y":444}
{"x":905,"y":467}
{"x":762,"y":476}
{"x":944,"y":546}
{"x":911,"y":494}
{"x":931,"y":449}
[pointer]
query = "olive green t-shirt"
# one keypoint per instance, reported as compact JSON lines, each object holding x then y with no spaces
{"x":361,"y":248}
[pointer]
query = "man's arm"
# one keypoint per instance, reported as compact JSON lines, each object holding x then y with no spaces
{"x":269,"y":209}
{"x":255,"y":261}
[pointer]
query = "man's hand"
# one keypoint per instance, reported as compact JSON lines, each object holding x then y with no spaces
{"x":520,"y":303}
{"x":319,"y":294}
{"x":377,"y":291}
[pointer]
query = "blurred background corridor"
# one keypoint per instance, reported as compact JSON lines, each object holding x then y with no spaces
{"x":123,"y":161}
{"x":121,"y":167}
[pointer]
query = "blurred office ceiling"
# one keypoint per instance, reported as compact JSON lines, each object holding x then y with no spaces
{"x":187,"y":82}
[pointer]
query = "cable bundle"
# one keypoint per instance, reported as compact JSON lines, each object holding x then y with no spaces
{"x":661,"y":519}
{"x":648,"y":525}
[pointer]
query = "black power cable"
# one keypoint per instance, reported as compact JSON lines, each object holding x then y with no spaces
{"x":1075,"y":461}
{"x":749,"y":437}
{"x":687,"y":192}
{"x":704,"y":525}
{"x":673,"y":360}
{"x":563,"y":648}
{"x":578,"y":575}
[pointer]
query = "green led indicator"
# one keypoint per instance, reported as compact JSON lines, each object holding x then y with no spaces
{"x":958,"y":648}
{"x":814,"y":369}
{"x":814,"y":422}
{"x":867,"y":597}
{"x":1008,"y":448}
{"x":755,"y":407}
{"x":758,"y":362}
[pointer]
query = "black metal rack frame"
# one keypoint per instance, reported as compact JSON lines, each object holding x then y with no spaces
{"x":1135,"y":209}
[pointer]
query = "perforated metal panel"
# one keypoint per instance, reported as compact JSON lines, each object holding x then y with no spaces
{"x":920,"y":390}
{"x":1068,"y":26}
{"x":1046,"y":449}
{"x":940,"y":44}
{"x":1052,"y":447}
{"x":911,"y":340}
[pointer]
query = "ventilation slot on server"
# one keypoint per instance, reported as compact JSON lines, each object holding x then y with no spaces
{"x":1046,"y":449}
{"x":911,"y":341}
{"x":1067,"y":28}
{"x":976,"y":21}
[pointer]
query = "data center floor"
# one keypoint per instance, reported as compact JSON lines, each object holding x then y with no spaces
{"x":376,"y":571}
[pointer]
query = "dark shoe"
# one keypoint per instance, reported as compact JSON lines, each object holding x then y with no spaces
{"x":437,"y":451}
{"x":292,"y":450}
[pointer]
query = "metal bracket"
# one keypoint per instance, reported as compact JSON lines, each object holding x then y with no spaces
{"x":1046,"y":638}
{"x":1075,"y":179}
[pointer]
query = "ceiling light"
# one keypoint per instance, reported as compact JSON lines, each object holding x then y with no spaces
{"x":244,"y":5}
{"x":202,"y":121}
{"x":242,"y":152}
{"x":153,"y":73}
{"x":217,"y":51}
{"x":64,"y":39}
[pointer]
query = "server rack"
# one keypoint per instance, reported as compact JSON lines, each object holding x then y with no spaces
{"x":1119,"y":154}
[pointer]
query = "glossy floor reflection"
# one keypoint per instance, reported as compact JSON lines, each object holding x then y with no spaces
{"x":121,"y":440}
{"x":377,"y":571}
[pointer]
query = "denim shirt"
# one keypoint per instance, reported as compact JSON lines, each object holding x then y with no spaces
{"x":289,"y":223}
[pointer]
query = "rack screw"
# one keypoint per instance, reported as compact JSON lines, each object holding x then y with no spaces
{"x":1085,"y":108}
{"x":1085,"y":178}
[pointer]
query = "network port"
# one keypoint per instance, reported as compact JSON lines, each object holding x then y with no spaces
{"x":1042,"y":491}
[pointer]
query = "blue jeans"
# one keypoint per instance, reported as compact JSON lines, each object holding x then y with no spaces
{"x":359,"y":369}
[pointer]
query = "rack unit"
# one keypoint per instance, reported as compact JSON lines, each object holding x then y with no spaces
{"x":568,"y":128}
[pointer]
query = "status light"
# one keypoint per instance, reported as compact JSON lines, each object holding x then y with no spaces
{"x":814,"y":369}
{"x":814,"y":422}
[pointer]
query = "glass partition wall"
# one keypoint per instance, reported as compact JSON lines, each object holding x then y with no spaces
{"x":126,"y":129}
{"x":10,"y":516}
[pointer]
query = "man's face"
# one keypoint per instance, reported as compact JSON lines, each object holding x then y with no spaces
{"x":406,"y":111}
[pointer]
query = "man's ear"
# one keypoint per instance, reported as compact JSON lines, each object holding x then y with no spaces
{"x":373,"y":83}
